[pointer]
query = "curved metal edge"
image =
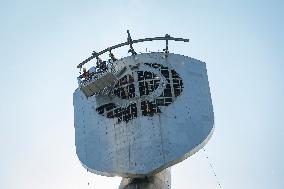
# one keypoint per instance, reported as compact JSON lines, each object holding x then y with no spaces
{"x":94,"y":55}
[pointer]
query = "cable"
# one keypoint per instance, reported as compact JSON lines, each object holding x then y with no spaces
{"x":213,"y":170}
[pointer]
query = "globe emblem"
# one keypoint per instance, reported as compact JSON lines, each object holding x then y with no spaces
{"x":157,"y":86}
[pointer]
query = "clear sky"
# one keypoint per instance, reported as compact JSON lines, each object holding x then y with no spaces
{"x":242,"y":42}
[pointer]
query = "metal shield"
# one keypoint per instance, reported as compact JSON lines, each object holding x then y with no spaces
{"x":158,"y":114}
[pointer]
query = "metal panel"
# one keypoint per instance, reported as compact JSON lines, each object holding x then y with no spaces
{"x":168,"y":130}
{"x":98,"y":84}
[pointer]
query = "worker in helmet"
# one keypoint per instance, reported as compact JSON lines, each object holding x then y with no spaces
{"x":85,"y":74}
{"x":99,"y":62}
{"x":101,"y":65}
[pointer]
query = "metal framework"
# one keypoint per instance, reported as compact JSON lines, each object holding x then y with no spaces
{"x":130,"y":42}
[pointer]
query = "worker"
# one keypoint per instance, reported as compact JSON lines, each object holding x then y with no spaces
{"x":85,"y":74}
{"x":103,"y":66}
{"x":112,"y":57}
{"x":99,"y":62}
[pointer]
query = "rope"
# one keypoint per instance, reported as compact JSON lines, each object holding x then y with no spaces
{"x":213,"y":170}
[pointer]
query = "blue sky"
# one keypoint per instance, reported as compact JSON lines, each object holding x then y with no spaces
{"x":242,"y":43}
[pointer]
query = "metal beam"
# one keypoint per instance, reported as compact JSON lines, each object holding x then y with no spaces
{"x":94,"y":55}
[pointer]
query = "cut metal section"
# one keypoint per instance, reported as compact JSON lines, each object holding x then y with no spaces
{"x":99,"y":83}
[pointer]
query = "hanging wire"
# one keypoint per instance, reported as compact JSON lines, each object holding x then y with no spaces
{"x":212,"y":169}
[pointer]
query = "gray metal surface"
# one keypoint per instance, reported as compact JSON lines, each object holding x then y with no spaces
{"x":146,"y":143}
{"x":98,"y":84}
{"x":161,"y":180}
